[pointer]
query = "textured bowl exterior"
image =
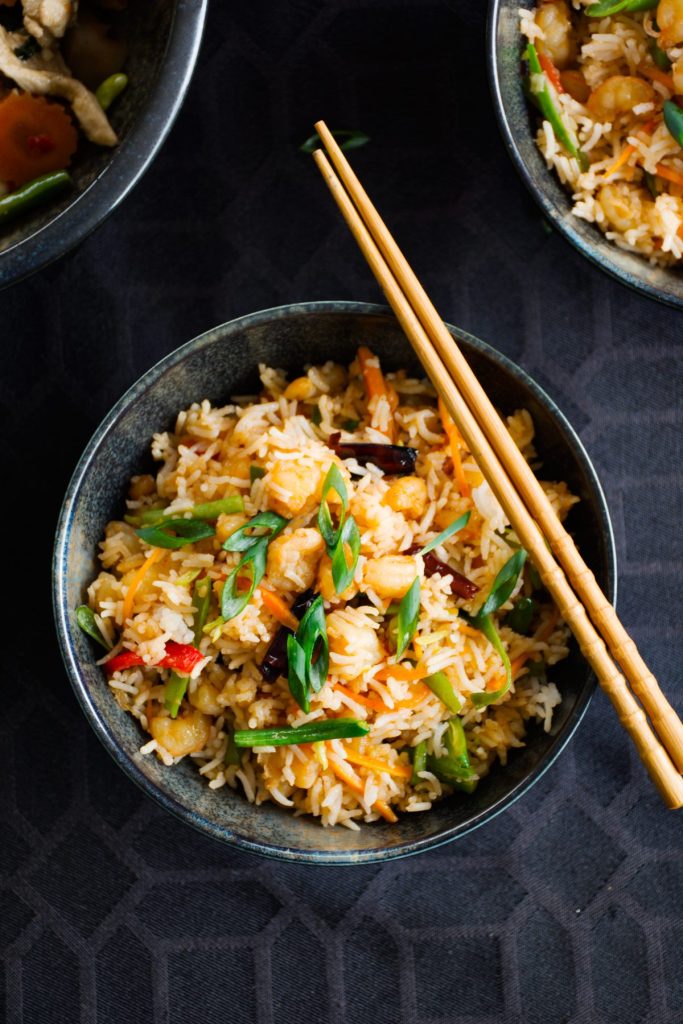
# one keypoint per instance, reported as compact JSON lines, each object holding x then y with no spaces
{"x":517,"y":123}
{"x":164,"y":43}
{"x":216,"y":365}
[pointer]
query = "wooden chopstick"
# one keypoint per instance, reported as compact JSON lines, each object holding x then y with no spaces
{"x":664,"y":719}
{"x":652,"y":753}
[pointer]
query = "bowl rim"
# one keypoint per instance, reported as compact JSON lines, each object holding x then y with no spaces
{"x":129,"y":160}
{"x":62,"y":611}
{"x":561,"y":223}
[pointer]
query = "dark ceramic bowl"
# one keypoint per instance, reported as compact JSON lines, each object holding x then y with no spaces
{"x":518,"y":123}
{"x":164,"y":41}
{"x":216,"y":365}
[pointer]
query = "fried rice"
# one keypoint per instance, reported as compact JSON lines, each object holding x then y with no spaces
{"x":274,"y":451}
{"x":609,"y":79}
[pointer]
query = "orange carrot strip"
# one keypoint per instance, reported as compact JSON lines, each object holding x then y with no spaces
{"x":139,"y":576}
{"x":626,"y":152}
{"x":277,"y":607}
{"x":368,"y":702}
{"x":454,"y":442}
{"x":515,"y":668}
{"x":399,"y":771}
{"x":669,"y":174}
{"x":406,"y":672}
{"x":421,"y":691}
{"x":375,"y":384}
{"x":468,"y":630}
{"x":551,"y":71}
{"x":657,"y":75}
{"x":349,"y":778}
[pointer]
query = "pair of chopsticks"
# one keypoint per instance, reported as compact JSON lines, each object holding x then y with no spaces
{"x":571,"y":583}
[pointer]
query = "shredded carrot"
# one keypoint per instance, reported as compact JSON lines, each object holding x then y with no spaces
{"x":421,"y":692}
{"x":367,"y":702}
{"x":551,"y":71}
{"x":657,"y":75}
{"x":399,"y":771}
{"x":277,"y":607}
{"x":401,"y":672}
{"x":137,"y":579}
{"x":515,"y":668}
{"x":626,"y":152}
{"x":37,"y":137}
{"x":350,"y":779}
{"x":375,"y":384}
{"x":454,"y":441}
{"x":669,"y":174}
{"x":468,"y":630}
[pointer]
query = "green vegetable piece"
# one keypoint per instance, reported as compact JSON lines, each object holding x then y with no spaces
{"x":255,"y":473}
{"x":85,"y":617}
{"x":454,"y":767}
{"x":534,"y":576}
{"x":521,"y":616}
{"x":308,"y":655}
{"x":441,"y":686}
{"x":223,"y":507}
{"x":605,"y":8}
{"x":175,"y":533}
{"x":408,"y":616}
{"x":350,"y":425}
{"x":252,"y":566}
{"x":455,"y":526}
{"x":110,"y":89}
{"x":296,"y":674}
{"x":189,"y":577}
{"x":347,"y":140}
{"x":344,"y":570}
{"x":243,"y":540}
{"x":174,"y":691}
{"x":651,"y":182}
{"x":334,"y":481}
{"x":316,"y":416}
{"x":673,"y":119}
{"x":659,"y":56}
{"x":447,"y":771}
{"x":543,"y":91}
{"x":312,"y":732}
{"x":419,"y":759}
{"x":34,"y":193}
{"x":486,"y":697}
{"x":536,"y":668}
{"x":504,"y":583}
{"x":232,"y":754}
{"x":201,"y":598}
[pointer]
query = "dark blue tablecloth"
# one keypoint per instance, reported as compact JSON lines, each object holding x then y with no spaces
{"x":568,"y":907}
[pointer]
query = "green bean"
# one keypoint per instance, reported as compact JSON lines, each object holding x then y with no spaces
{"x":441,"y":686}
{"x":232,"y":753}
{"x":174,"y":691}
{"x":34,"y":193}
{"x":521,"y":616}
{"x":419,"y":757}
{"x":109,"y":89}
{"x":312,"y":732}
{"x":201,"y":597}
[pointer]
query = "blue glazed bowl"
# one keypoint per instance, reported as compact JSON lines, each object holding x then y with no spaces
{"x":518,"y":122}
{"x":164,"y":40}
{"x":216,"y":365}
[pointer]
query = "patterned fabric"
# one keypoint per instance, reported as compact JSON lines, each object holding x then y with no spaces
{"x":565,"y":908}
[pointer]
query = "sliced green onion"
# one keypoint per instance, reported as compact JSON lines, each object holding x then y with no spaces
{"x":441,"y":686}
{"x":296,"y":674}
{"x":673,"y":119}
{"x":651,"y":182}
{"x":486,"y":697}
{"x":85,"y":617}
{"x":521,"y":616}
{"x":187,"y":578}
{"x":408,"y":615}
{"x":109,"y":89}
{"x":316,"y":416}
{"x":454,"y":768}
{"x":176,"y":533}
{"x":308,"y":655}
{"x":334,"y":481}
{"x":232,"y":754}
{"x":312,"y":732}
{"x":659,"y":56}
{"x":222,"y":507}
{"x":350,"y":425}
{"x":605,"y":8}
{"x":174,"y":691}
{"x":255,"y":473}
{"x":201,"y":598}
{"x":343,"y":569}
{"x":459,"y":524}
{"x":504,"y":583}
{"x":544,"y":95}
{"x":347,"y":140}
{"x":242,"y":540}
{"x":253,"y":566}
{"x":419,"y":758}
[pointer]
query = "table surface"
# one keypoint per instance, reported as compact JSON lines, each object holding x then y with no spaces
{"x":567,"y":907}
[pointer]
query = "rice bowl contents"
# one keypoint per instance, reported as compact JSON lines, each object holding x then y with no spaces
{"x":318,"y":599}
{"x":607,"y":78}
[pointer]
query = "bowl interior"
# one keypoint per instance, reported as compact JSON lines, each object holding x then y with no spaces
{"x":163,"y":38}
{"x":221,"y":363}
{"x":518,"y":123}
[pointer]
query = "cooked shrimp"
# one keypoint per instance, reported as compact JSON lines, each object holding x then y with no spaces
{"x":558,"y":38}
{"x":390,"y":576}
{"x":408,"y":495}
{"x":183,"y":735}
{"x":670,"y":22}
{"x":618,"y":95}
{"x":293,"y":559}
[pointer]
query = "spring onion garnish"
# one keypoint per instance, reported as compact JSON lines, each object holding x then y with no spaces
{"x":521,"y":616}
{"x":673,"y":119}
{"x":347,"y":140}
{"x":503,"y":585}
{"x":458,"y":524}
{"x":408,"y":615}
{"x":176,"y":533}
{"x":659,"y":56}
{"x":344,"y":570}
{"x":242,"y":540}
{"x":252,"y":566}
{"x":232,"y":754}
{"x":85,"y":617}
{"x":174,"y":691}
{"x":419,"y":758}
{"x":543,"y":93}
{"x":316,"y":416}
{"x":312,"y":732}
{"x":605,"y":8}
{"x":308,"y":655}
{"x":255,"y":473}
{"x":441,"y":686}
{"x":188,"y":577}
{"x":454,"y":767}
{"x":210,"y":510}
{"x":333,"y":481}
{"x":201,"y":598}
{"x":274,"y":663}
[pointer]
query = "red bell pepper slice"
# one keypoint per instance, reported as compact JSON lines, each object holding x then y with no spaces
{"x":126,"y":659}
{"x":181,"y":657}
